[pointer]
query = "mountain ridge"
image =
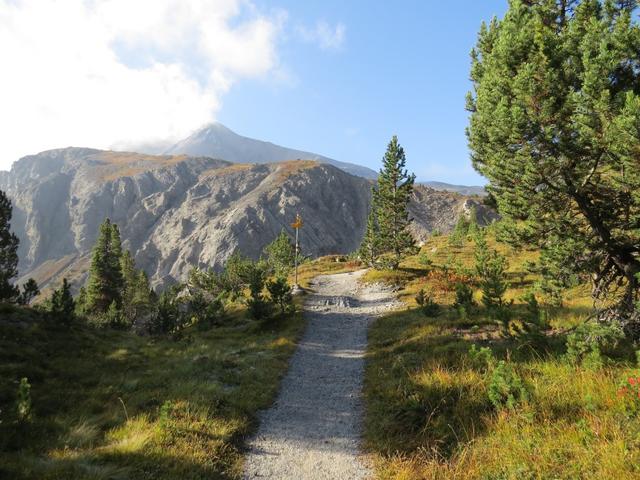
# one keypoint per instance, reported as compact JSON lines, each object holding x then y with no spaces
{"x":176,"y":212}
{"x":218,"y":141}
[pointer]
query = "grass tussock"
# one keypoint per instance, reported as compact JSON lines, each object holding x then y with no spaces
{"x":430,"y":413}
{"x":113,"y":405}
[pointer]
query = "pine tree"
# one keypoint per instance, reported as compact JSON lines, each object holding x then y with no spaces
{"x":280,"y":292}
{"x":369,"y":248}
{"x":555,"y":127}
{"x":473,"y":227}
{"x":105,"y":275}
{"x":280,"y":255}
{"x":460,"y":232}
{"x":30,"y":290}
{"x":493,"y":281}
{"x":8,"y":252}
{"x":391,"y":200}
{"x":62,"y":304}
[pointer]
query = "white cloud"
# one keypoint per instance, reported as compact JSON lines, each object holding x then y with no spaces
{"x":327,"y":37}
{"x":103,"y":72}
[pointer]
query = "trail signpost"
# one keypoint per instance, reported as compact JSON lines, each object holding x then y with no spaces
{"x":297,"y":225}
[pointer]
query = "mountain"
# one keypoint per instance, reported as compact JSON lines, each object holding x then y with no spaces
{"x":217,"y":141}
{"x":179,"y":211}
{"x":463,"y":189}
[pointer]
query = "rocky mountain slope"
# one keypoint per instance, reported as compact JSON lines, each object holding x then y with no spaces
{"x":463,"y":189}
{"x":217,"y":141}
{"x":178,"y":211}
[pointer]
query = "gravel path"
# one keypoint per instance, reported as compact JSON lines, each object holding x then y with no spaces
{"x":313,"y":430}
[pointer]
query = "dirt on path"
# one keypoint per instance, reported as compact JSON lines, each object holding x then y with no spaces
{"x":313,"y":430}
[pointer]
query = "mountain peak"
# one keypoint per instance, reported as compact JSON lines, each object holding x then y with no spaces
{"x":219,"y":141}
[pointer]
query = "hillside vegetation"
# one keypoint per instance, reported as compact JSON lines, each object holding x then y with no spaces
{"x":107,"y":404}
{"x":455,"y":393}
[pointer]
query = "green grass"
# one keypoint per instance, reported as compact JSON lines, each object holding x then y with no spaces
{"x":428,"y":413}
{"x":109,"y":404}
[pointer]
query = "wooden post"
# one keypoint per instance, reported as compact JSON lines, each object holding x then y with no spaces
{"x":296,"y":226}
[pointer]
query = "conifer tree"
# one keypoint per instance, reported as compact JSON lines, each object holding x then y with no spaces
{"x":555,"y":127}
{"x":473,"y":227}
{"x":8,"y":252}
{"x":369,"y":248}
{"x":105,"y":275}
{"x":280,"y":255}
{"x":136,"y":292}
{"x":30,"y":290}
{"x":460,"y":232}
{"x":390,"y":204}
{"x":62,"y":304}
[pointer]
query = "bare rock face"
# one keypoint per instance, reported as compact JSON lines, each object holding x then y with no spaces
{"x":433,"y":210}
{"x":176,"y":211}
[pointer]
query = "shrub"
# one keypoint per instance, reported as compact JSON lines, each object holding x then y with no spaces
{"x":235,"y":275}
{"x":280,"y":292}
{"x":506,"y":389}
{"x":481,"y":358}
{"x":591,"y":340}
{"x":280,"y":255}
{"x":629,"y":391}
{"x":204,"y":313}
{"x":460,"y":232}
{"x":492,"y":281}
{"x":427,"y":305}
{"x":114,"y":318}
{"x":168,"y":317}
{"x":258,"y":306}
{"x":532,"y":307}
{"x":464,"y":296}
{"x":62,"y":305}
{"x":23,"y":401}
{"x":424,"y":259}
{"x":29,"y":291}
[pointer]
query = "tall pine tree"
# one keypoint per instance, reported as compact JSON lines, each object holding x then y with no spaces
{"x":390,"y":204}
{"x":136,"y":292}
{"x":370,"y":248}
{"x":8,"y":252}
{"x":555,"y":127}
{"x":105,"y":275}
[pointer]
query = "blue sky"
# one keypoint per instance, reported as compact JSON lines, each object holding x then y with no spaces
{"x":400,"y":70}
{"x":338,"y":78}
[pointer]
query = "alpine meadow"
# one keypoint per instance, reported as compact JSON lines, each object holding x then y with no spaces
{"x":450,"y":293}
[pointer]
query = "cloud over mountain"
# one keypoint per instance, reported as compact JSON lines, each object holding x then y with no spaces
{"x":113,"y":72}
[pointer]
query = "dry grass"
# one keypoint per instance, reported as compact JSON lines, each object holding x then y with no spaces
{"x":291,"y":167}
{"x":116,"y":165}
{"x":428,"y":411}
{"x":235,"y":168}
{"x":111,"y":405}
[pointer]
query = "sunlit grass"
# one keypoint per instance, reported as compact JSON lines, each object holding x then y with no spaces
{"x":110,"y":404}
{"x":428,"y":415}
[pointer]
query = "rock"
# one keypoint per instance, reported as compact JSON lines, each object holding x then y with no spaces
{"x":176,"y":212}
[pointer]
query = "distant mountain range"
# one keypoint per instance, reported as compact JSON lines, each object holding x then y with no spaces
{"x":207,"y":196}
{"x":179,"y":211}
{"x":462,"y":189}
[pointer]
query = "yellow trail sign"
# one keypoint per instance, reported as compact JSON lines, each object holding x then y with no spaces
{"x":298,"y":223}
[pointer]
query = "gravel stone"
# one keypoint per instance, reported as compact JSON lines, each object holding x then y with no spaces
{"x":314,"y":428}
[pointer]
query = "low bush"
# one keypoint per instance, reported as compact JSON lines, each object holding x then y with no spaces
{"x":280,"y":292}
{"x":590,"y":341}
{"x":630,"y":392}
{"x":506,"y":389}
{"x":464,"y":299}
{"x":482,"y":358}
{"x":426,"y":304}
